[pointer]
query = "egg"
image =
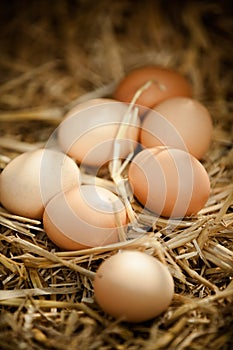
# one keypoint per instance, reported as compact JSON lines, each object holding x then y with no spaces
{"x":179,"y":122}
{"x":85,"y":216}
{"x":169,"y":182}
{"x":166,"y":84}
{"x":89,"y":130}
{"x":31,"y":179}
{"x":134,"y":286}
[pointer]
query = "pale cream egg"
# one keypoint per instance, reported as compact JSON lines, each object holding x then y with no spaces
{"x":31,"y":179}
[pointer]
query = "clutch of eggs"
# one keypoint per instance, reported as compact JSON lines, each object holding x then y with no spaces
{"x":166,"y":177}
{"x":166,"y":180}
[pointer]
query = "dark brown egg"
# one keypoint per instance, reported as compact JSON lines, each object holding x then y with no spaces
{"x":166,"y":84}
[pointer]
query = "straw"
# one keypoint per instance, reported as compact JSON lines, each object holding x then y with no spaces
{"x":57,"y":55}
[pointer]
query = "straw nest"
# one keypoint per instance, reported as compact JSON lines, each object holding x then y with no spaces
{"x":56,"y":54}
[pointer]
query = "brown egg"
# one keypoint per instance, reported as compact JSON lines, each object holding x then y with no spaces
{"x":133,"y":286}
{"x":87,"y":216}
{"x":178,"y":122}
{"x":167,"y":84}
{"x":88,"y":132}
{"x":169,"y":182}
{"x":31,"y":179}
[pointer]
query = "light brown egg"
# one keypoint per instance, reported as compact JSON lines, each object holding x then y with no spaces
{"x":88,"y":131}
{"x":170,"y":182}
{"x":87,"y":216}
{"x":167,"y":84}
{"x":31,"y":179}
{"x":178,"y":122}
{"x":133,"y":286}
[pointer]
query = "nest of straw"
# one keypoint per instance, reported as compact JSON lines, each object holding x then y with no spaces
{"x":55,"y":55}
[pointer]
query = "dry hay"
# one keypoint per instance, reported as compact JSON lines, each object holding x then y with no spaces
{"x":55,"y":54}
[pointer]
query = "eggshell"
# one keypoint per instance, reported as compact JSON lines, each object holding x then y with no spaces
{"x":31,"y":179}
{"x":87,"y":216}
{"x":88,"y":131}
{"x":178,"y":122}
{"x":167,"y":84}
{"x":134,"y":286}
{"x":169,"y":182}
